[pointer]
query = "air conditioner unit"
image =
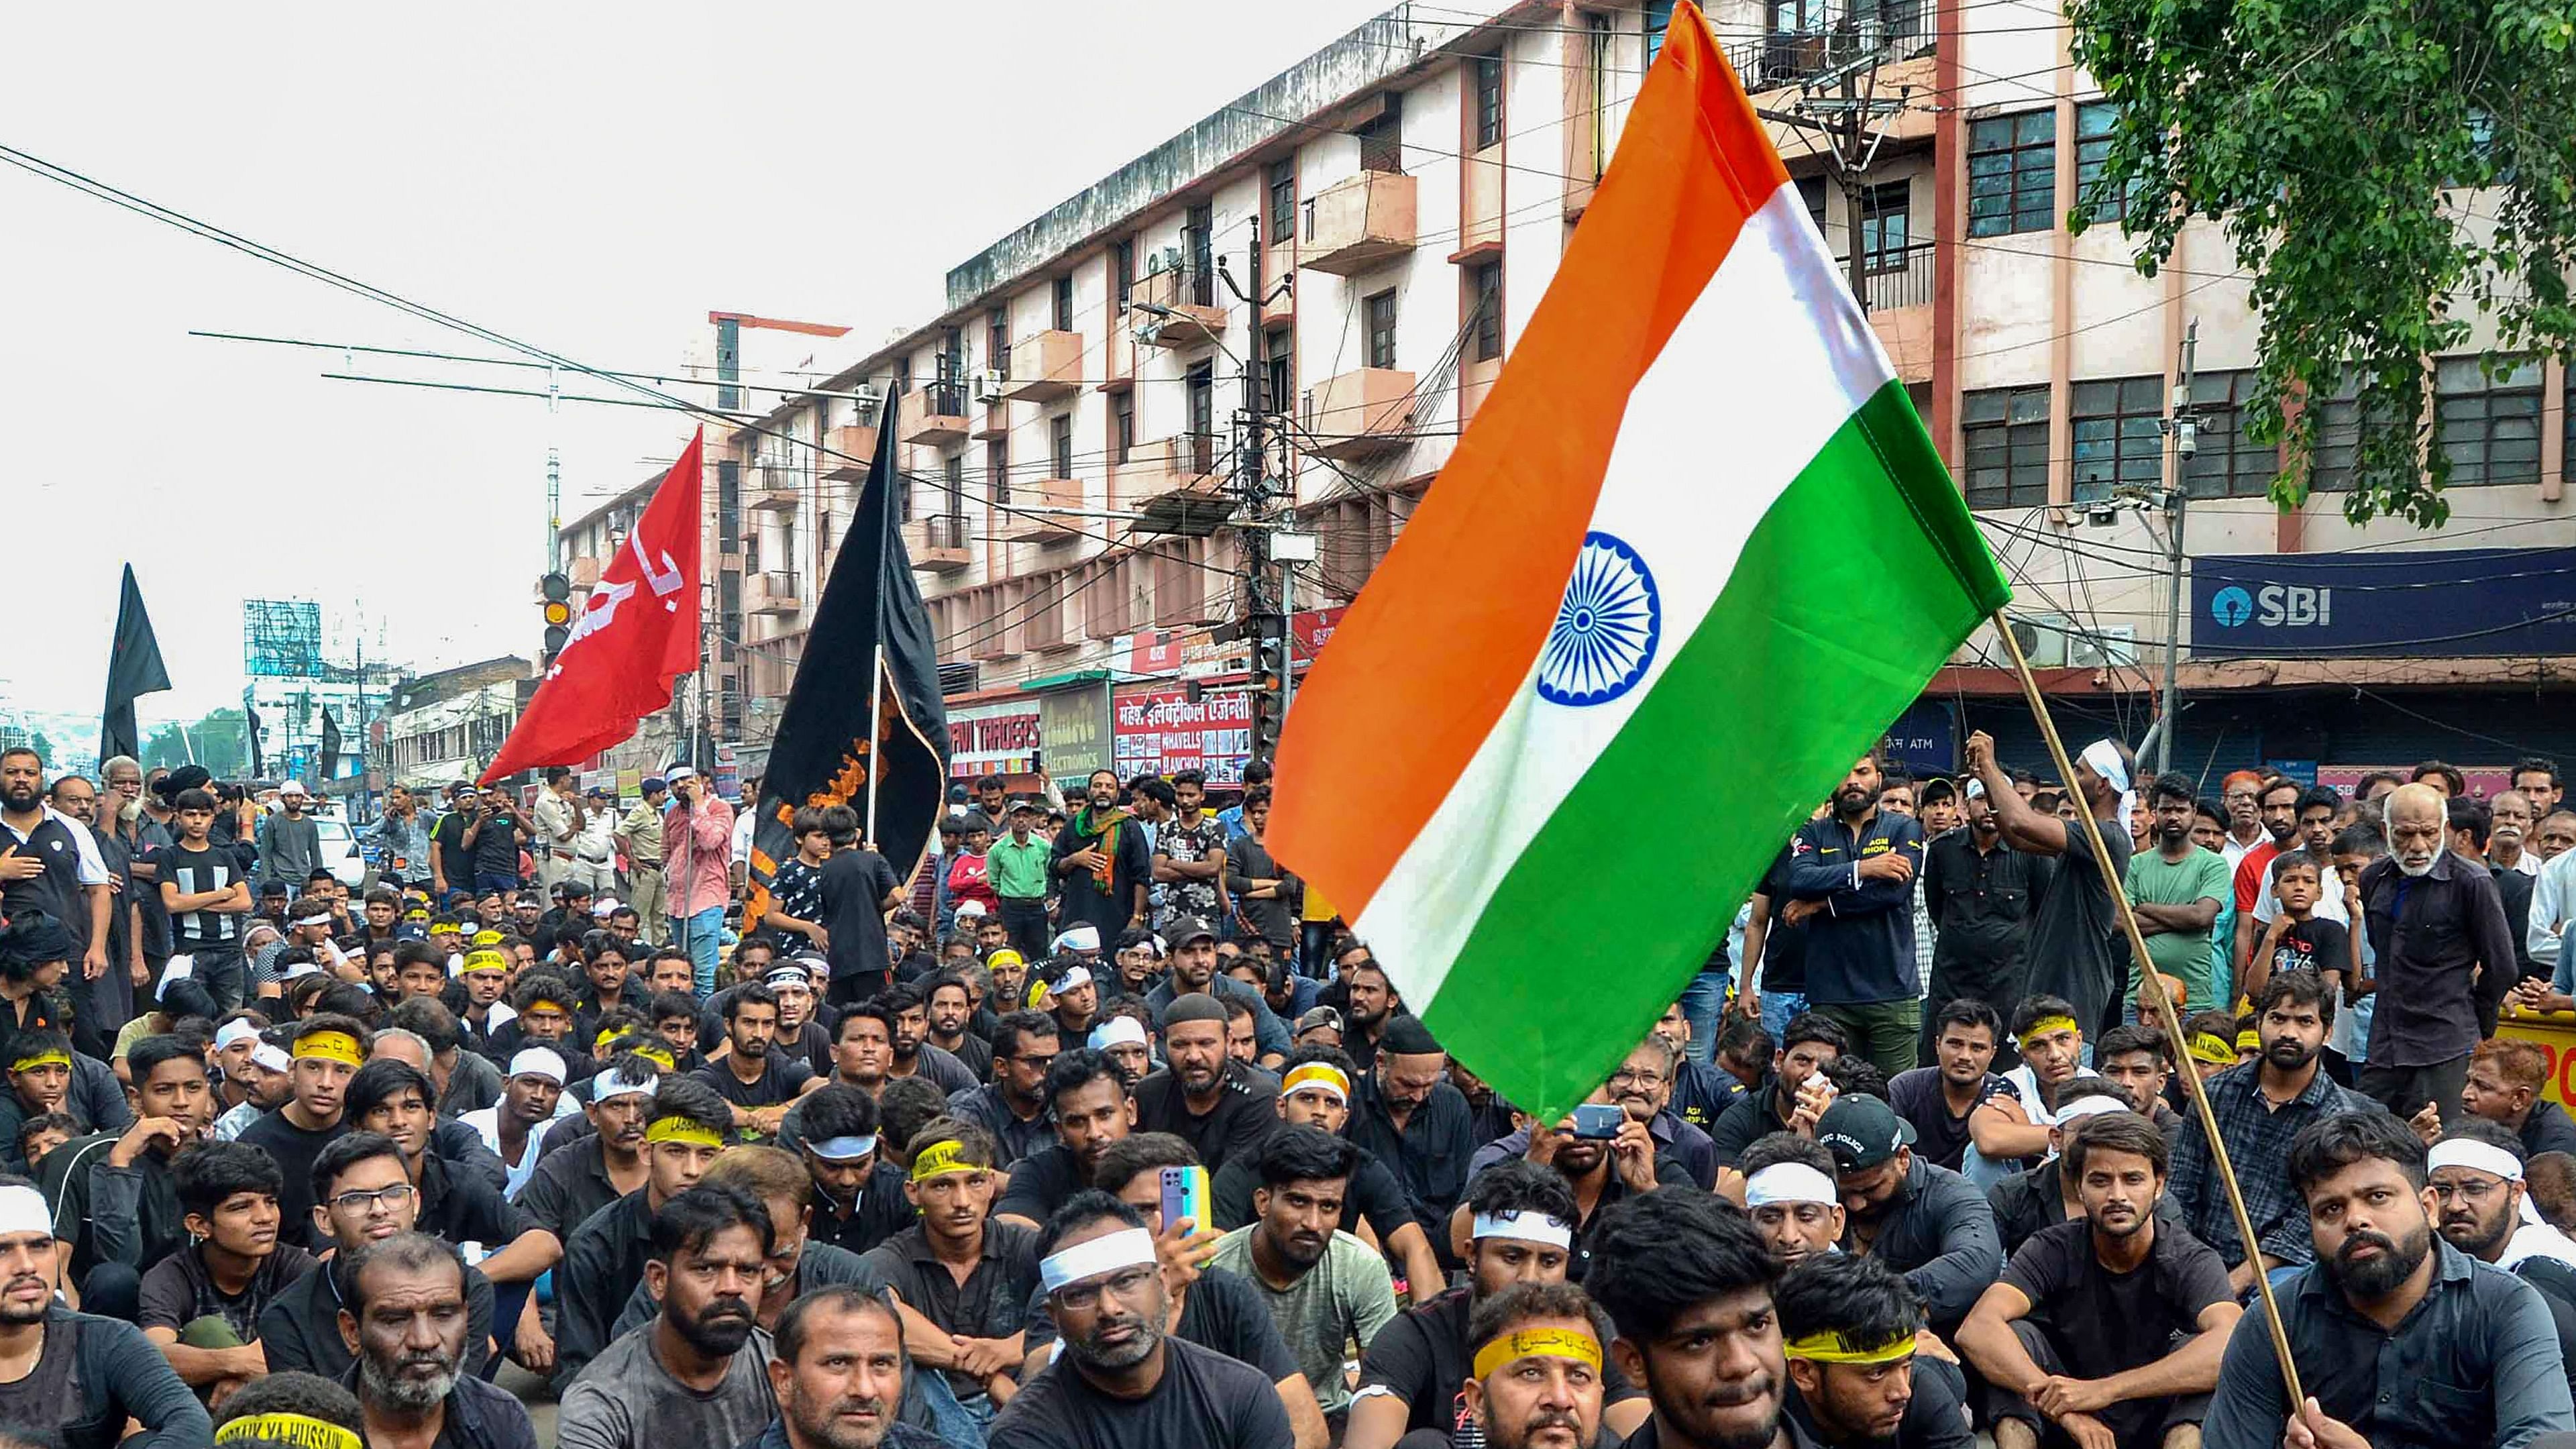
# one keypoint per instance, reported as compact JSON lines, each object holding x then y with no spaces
{"x":1168,"y":259}
{"x":2102,"y":648}
{"x":2043,"y":640}
{"x":988,"y":385}
{"x":867,"y":400}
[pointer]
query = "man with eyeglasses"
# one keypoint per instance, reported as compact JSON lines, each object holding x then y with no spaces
{"x":1643,"y":1087}
{"x":1122,"y":1378}
{"x":1012,"y":1106}
{"x":362,"y":1193}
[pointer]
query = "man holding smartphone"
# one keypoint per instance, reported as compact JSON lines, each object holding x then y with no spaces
{"x":492,"y":840}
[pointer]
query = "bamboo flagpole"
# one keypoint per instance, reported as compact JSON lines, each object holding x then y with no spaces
{"x":2173,"y":1018}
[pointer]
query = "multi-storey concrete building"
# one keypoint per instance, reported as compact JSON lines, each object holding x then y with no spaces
{"x":1365,"y":234}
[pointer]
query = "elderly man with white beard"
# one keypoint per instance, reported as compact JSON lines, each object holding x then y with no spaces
{"x":2437,"y":929}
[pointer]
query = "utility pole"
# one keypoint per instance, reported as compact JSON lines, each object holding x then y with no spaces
{"x":1853,"y":142}
{"x":2183,"y":426}
{"x":1265,"y":623}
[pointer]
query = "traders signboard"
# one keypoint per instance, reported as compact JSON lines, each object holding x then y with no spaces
{"x":2433,"y":603}
{"x":1163,"y":730}
{"x":1000,"y":738}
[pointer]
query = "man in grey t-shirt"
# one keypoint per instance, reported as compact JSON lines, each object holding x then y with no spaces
{"x":697,"y":1374}
{"x":290,"y":844}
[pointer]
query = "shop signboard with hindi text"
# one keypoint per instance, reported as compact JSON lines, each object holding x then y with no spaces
{"x":1000,"y":738}
{"x":1161,"y":730}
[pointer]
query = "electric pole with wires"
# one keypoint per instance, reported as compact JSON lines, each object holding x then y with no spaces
{"x":1264,"y":624}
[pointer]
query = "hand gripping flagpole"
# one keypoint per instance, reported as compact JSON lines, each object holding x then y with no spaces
{"x":2173,"y":1019}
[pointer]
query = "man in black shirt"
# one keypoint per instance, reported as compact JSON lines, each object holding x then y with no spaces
{"x":1539,"y":1375}
{"x":363,"y":1191}
{"x":1938,"y":1099}
{"x":1101,"y":864}
{"x":1980,"y":894}
{"x":1601,"y":1171}
{"x":757,"y":1079}
{"x":1926,"y":1222}
{"x":493,"y":835}
{"x":858,"y":889}
{"x":605,"y":1256}
{"x":1523,"y":1232}
{"x":1204,"y":1096}
{"x":1088,"y":1095}
{"x":961,"y":1279}
{"x":913,"y":1055}
{"x":201,"y":1305}
{"x":1012,"y":1106}
{"x":858,"y":1191}
{"x":116,"y":1201}
{"x":1807,"y":1042}
{"x":1688,"y":1284}
{"x":206,"y":893}
{"x":327,"y":1051}
{"x":2080,"y":1335}
{"x":1123,"y":1381}
{"x":1407,"y":1114}
{"x":2075,"y":950}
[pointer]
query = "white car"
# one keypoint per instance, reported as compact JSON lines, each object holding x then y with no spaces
{"x":340,"y":853}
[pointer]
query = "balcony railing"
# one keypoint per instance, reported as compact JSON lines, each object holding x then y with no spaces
{"x":1899,"y":278}
{"x":1848,"y":32}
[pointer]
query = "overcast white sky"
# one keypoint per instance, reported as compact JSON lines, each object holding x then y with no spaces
{"x":592,"y":178}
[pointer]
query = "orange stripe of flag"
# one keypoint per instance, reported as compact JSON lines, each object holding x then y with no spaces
{"x":1425,"y":661}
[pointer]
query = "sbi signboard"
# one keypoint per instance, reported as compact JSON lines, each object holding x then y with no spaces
{"x":2434,"y":602}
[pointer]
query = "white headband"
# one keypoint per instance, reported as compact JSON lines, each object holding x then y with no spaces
{"x":615,"y":1086}
{"x":1523,"y":1228}
{"x":273,"y":1057}
{"x":1789,"y":1182}
{"x":843,"y":1149}
{"x":1117,"y":1031}
{"x":321,"y":920}
{"x":2090,"y":1106}
{"x":1078,"y":976}
{"x":232,"y":1032}
{"x":539,"y":1062}
{"x":1080,"y":938}
{"x":2476,"y":1156}
{"x":2104,"y":757}
{"x":23,"y":1210}
{"x":1128,"y":1248}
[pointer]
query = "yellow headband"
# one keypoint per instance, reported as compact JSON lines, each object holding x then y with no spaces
{"x":300,"y":1430}
{"x":2047,"y":1024}
{"x":329,"y":1046}
{"x":1832,"y":1347}
{"x":29,"y":1064}
{"x":658,"y":1056}
{"x":1538,"y":1343}
{"x":445,"y":928}
{"x":681,"y":1129}
{"x":487,"y":938}
{"x":1317,"y":1074}
{"x":940,"y":1159}
{"x":2210,"y":1047}
{"x":412,"y":915}
{"x":548,"y":1003}
{"x":2249,"y":1040}
{"x":484,"y":961}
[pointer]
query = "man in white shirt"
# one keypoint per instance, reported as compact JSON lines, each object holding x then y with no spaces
{"x":532,"y":1099}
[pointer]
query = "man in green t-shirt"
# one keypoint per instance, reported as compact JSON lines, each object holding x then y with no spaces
{"x":2178,"y":889}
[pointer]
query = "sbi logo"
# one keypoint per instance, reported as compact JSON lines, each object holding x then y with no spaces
{"x":2276,"y":606}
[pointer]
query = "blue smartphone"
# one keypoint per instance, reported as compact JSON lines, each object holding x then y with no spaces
{"x":1599,"y":1121}
{"x":1186,"y":1195}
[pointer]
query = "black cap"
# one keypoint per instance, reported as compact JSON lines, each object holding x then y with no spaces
{"x":1862,"y":1131}
{"x":1406,"y":1036}
{"x":1185,"y":929}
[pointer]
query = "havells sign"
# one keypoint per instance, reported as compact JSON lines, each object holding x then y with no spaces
{"x":2437,"y":603}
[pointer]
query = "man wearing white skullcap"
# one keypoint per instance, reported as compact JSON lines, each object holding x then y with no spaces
{"x":2077,"y":950}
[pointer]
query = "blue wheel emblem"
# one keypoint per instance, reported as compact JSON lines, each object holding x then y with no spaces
{"x":1606,"y":627}
{"x":2231,"y":606}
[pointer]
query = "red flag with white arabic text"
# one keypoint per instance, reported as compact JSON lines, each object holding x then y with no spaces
{"x":638,"y":633}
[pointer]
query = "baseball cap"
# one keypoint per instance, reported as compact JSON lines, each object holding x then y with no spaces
{"x":654,"y":784}
{"x":1186,"y":929}
{"x":1319,"y":1016}
{"x":1862,"y":1131}
{"x":1016,"y":806}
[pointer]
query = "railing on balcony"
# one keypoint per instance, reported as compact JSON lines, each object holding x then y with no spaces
{"x":943,"y":399}
{"x":1900,"y":277}
{"x":1838,"y":33}
{"x":944,"y":530}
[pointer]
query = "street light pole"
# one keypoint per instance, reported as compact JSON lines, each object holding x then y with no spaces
{"x":2184,"y":428}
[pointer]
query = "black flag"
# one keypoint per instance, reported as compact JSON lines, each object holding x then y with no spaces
{"x":330,"y":746}
{"x":250,"y":738}
{"x":826,"y":748}
{"x":134,"y":669}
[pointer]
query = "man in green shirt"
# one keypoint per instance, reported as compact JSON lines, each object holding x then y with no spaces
{"x":2178,"y":889}
{"x":1017,"y":867}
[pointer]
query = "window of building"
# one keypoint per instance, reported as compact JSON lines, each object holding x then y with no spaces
{"x":2227,"y":465}
{"x":997,"y":340}
{"x":902,"y":382}
{"x":1061,"y":445}
{"x":2488,"y":429}
{"x":728,"y":609}
{"x":728,"y":505}
{"x":1122,"y":269}
{"x":1283,"y":199}
{"x":1064,"y":303}
{"x":1486,"y":280}
{"x":2012,"y":174}
{"x":1122,"y":426}
{"x":1198,"y":240}
{"x":1382,"y":136}
{"x":1279,"y":363}
{"x":954,"y":480}
{"x":2118,"y":435}
{"x":1381,"y":329}
{"x":1659,"y":18}
{"x":997,"y":469}
{"x":2093,"y":123}
{"x":2006,"y":434}
{"x":1199,"y":387}
{"x":1489,"y":101}
{"x":1886,"y":225}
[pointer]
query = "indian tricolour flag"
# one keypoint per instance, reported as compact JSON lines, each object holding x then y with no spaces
{"x":1693,"y":554}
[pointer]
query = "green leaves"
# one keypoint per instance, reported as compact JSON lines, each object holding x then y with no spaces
{"x":2391,"y":171}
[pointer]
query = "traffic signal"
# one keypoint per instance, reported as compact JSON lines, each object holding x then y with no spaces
{"x":554,"y":601}
{"x":1269,"y":636}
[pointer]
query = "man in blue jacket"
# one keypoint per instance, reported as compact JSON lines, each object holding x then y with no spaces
{"x":1851,"y":881}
